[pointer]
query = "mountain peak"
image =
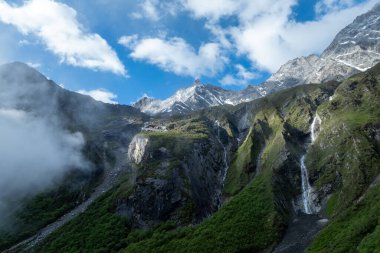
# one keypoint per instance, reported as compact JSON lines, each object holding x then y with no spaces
{"x":354,"y":49}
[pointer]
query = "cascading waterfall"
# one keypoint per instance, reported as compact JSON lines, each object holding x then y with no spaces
{"x":308,"y":205}
{"x":315,"y":126}
{"x":217,"y":124}
{"x":306,"y":188}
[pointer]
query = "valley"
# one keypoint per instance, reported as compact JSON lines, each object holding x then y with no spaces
{"x":288,"y":166}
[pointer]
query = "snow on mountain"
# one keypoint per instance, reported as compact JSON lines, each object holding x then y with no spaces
{"x":355,"y":48}
{"x":193,"y":98}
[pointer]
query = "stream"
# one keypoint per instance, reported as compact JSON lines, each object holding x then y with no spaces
{"x":307,"y":223}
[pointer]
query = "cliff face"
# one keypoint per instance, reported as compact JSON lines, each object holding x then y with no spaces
{"x":233,"y":177}
{"x":179,"y":173}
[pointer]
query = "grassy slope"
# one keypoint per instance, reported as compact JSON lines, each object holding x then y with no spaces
{"x":249,"y":222}
{"x":355,"y":230}
{"x":45,"y":208}
{"x":346,"y":156}
{"x":98,"y":229}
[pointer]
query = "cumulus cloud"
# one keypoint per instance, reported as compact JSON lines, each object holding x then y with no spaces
{"x":153,"y":10}
{"x":325,"y":6}
{"x":149,"y":10}
{"x":56,"y":25}
{"x":266,"y":32}
{"x":212,"y":9}
{"x":101,"y":95}
{"x":128,"y":41}
{"x":241,"y":78}
{"x":177,"y":56}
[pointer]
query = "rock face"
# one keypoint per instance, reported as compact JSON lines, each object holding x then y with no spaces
{"x":178,"y":180}
{"x":136,"y":148}
{"x":355,"y":49}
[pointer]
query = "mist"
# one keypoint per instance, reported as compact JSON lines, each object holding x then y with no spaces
{"x":35,"y":149}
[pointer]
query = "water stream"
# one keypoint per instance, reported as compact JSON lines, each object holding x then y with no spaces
{"x":308,"y":206}
{"x":306,"y":188}
{"x":217,"y":124}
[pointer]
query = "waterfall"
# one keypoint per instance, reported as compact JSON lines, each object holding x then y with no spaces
{"x":307,"y":203}
{"x":217,"y":124}
{"x":315,"y":126}
{"x":306,"y":188}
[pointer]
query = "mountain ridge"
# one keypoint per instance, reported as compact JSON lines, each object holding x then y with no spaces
{"x":354,"y":49}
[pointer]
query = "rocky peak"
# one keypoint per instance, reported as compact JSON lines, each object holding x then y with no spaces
{"x":355,"y":48}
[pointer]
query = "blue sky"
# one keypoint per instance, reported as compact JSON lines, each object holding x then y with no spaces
{"x":120,"y":50}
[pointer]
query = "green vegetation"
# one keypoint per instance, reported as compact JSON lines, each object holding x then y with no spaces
{"x":242,"y":166}
{"x":346,"y":154}
{"x":43,"y":209}
{"x":248,"y":223}
{"x":194,"y":128}
{"x":98,"y":229}
{"x":342,"y":163}
{"x":355,"y":230}
{"x":30,"y":218}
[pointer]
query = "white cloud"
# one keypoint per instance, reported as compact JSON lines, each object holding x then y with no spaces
{"x":128,"y":41}
{"x":325,"y":6}
{"x":34,"y":153}
{"x":55,"y":24}
{"x":101,"y":95}
{"x":148,"y":10}
{"x":154,"y":10}
{"x":177,"y":56}
{"x":242,"y":77}
{"x":266,"y":33}
{"x":34,"y":64}
{"x":212,"y":9}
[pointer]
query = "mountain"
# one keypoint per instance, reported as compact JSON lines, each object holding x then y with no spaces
{"x":295,"y":170}
{"x":197,"y":96}
{"x":48,"y":117}
{"x":261,"y":176}
{"x":356,"y":48}
{"x":24,"y":88}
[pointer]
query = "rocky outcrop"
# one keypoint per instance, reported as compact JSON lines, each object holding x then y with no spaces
{"x":137,"y":147}
{"x":177,"y":179}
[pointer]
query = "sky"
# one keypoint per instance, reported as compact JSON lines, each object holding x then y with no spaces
{"x":118,"y":51}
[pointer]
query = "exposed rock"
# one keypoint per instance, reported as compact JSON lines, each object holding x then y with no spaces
{"x":136,"y":148}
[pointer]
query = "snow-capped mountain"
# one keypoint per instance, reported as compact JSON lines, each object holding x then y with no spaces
{"x":198,"y":96}
{"x":195,"y":97}
{"x":356,"y":48}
